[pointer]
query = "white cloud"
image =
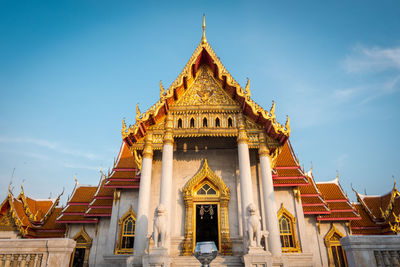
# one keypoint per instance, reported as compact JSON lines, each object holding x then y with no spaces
{"x":379,"y":69}
{"x":49,"y":145}
{"x":80,"y":166}
{"x":374,"y":59}
{"x":345,"y":94}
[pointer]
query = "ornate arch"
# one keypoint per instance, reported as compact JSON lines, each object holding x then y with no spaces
{"x":336,"y":254}
{"x":83,"y":241}
{"x":221,"y":195}
{"x":124,"y":232}
{"x":287,"y":229}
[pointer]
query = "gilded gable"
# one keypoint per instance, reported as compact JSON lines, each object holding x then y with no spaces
{"x":205,"y":90}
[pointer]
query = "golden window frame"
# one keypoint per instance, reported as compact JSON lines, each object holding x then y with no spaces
{"x":331,"y":241}
{"x":86,"y":244}
{"x":221,"y":198}
{"x":283,"y":212}
{"x":119,"y":246}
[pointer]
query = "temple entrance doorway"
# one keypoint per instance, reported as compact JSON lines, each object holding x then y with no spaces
{"x":206,"y":211}
{"x":207,"y":228}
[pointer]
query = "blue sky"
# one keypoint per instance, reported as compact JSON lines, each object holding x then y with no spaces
{"x":70,"y":71}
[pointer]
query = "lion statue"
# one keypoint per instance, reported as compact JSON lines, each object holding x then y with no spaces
{"x":253,"y":227}
{"x":160,"y":226}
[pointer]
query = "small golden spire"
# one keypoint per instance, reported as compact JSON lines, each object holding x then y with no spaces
{"x":247,"y":88}
{"x":124,"y":128}
{"x":204,"y":39}
{"x":162,"y":90}
{"x":272,"y":110}
{"x":287,"y":124}
{"x":138,"y":113}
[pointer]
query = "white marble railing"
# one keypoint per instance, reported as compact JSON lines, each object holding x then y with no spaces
{"x":387,"y":258}
{"x":372,"y":250}
{"x":36,"y":252}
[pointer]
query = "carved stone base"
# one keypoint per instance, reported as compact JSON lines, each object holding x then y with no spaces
{"x":257,"y":256}
{"x":158,"y":257}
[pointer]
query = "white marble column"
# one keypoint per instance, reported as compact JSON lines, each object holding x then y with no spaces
{"x":271,"y":220}
{"x":166,"y":173}
{"x":143,"y":211}
{"x":246,"y":187}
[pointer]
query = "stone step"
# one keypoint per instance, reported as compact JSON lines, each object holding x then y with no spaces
{"x":219,"y":261}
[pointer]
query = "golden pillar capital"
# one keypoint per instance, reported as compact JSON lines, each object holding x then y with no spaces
{"x":242,"y":136}
{"x":148,"y":146}
{"x":168,"y":138}
{"x":263,"y":150}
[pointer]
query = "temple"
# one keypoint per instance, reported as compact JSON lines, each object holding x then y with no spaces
{"x":205,"y":163}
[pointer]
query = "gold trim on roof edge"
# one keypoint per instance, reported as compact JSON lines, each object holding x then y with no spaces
{"x":186,"y":72}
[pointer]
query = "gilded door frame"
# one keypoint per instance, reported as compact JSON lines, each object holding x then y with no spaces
{"x":86,"y":245}
{"x":329,"y":242}
{"x":221,"y":199}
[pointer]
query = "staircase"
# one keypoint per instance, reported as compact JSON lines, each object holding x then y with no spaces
{"x":219,"y":261}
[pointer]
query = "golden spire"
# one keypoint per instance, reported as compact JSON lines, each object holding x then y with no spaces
{"x":247,"y":88}
{"x":204,"y":39}
{"x":287,"y":124}
{"x":124,"y":128}
{"x":272,"y":110}
{"x":162,"y":90}
{"x":138,"y":113}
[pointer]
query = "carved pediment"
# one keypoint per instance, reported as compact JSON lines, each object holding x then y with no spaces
{"x":5,"y":223}
{"x":205,"y":91}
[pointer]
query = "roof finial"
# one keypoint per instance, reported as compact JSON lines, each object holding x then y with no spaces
{"x":204,"y":39}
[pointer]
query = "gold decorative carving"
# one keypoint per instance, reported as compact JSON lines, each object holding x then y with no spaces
{"x":168,"y":139}
{"x":203,"y":38}
{"x":148,"y":146}
{"x":296,"y":192}
{"x":5,"y":223}
{"x":222,"y":196}
{"x":274,"y":156}
{"x":242,"y":134}
{"x":124,"y":130}
{"x":138,"y":113}
{"x":221,"y":75}
{"x":395,"y":227}
{"x":205,"y":90}
{"x":388,"y":211}
{"x":162,"y":91}
{"x":263,"y":151}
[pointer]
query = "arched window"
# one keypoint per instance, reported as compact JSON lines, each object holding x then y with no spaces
{"x":217,"y":123}
{"x":82,"y":249}
{"x":126,"y":237}
{"x":191,"y":123}
{"x":179,"y":123}
{"x":230,"y":123}
{"x":206,"y":189}
{"x":337,"y":256}
{"x":287,"y":228}
{"x":205,"y":122}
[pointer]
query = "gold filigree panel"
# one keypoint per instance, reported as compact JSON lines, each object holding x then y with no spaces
{"x":205,"y":90}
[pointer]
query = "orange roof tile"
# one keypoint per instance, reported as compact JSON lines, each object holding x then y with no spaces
{"x":82,"y":194}
{"x":286,"y":158}
{"x":125,"y":158}
{"x":331,"y":191}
